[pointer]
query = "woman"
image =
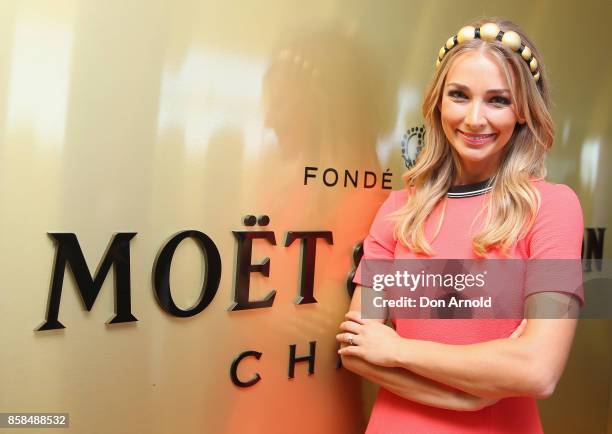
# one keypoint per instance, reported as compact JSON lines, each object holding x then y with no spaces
{"x":477,"y":190}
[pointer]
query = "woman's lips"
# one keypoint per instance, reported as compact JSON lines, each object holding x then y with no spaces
{"x":477,"y":139}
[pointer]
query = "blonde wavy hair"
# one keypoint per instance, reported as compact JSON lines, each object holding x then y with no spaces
{"x":514,"y":202}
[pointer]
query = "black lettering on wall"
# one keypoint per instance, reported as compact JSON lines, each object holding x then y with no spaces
{"x":244,"y":268}
{"x":386,"y":180}
{"x":234,"y":369}
{"x":347,"y":176}
{"x":310,"y":358}
{"x":161,"y":274}
{"x":307,"y":173}
{"x":334,"y":177}
{"x":592,"y":248}
{"x":308,"y":257}
{"x":369,"y":175}
{"x":68,"y":252}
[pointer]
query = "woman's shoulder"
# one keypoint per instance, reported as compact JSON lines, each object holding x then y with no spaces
{"x":394,"y":201}
{"x":399,"y":197}
{"x":556,"y":197}
{"x":384,"y":222}
{"x":553,"y":189}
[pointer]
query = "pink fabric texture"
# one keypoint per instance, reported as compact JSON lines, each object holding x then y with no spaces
{"x":556,"y":234}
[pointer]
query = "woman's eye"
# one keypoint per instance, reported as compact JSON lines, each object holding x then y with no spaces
{"x":500,"y":100}
{"x":457,"y":94}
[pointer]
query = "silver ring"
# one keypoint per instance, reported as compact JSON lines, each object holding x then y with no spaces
{"x":350,"y":340}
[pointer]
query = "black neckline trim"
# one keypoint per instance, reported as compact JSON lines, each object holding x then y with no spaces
{"x":469,"y":190}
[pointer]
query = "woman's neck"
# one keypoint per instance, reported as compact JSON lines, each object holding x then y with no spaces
{"x":466,"y":179}
{"x":467,"y":174}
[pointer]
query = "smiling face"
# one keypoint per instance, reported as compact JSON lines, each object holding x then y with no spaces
{"x":477,"y":113}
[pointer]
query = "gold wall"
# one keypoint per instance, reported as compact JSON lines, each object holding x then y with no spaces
{"x":159,"y":116}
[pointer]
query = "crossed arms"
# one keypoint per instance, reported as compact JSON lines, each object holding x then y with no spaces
{"x":460,"y":377}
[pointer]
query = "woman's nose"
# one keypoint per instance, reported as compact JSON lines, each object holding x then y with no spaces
{"x":475,"y":118}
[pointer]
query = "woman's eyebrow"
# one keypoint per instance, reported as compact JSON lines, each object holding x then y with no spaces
{"x":498,"y":91}
{"x":464,"y":87}
{"x":459,"y":85}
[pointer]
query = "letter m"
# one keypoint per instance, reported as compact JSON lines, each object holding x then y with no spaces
{"x":68,"y":252}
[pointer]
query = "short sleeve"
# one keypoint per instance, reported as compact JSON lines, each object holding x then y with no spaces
{"x":559,"y":227}
{"x":380,"y":242}
{"x":555,"y":243}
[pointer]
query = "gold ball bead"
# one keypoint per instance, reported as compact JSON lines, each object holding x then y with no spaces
{"x":489,"y":32}
{"x":450,"y":43}
{"x":511,"y":40}
{"x":466,"y":33}
{"x":533,"y":65}
{"x":438,"y":63}
{"x":526,"y":53}
{"x":536,"y":77}
{"x":441,"y":53}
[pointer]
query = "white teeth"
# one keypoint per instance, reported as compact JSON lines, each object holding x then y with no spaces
{"x":477,"y":136}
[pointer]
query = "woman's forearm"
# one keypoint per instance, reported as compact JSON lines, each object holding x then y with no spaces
{"x":493,"y":369}
{"x":409,"y":385}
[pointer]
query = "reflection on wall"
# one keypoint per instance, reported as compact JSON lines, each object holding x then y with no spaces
{"x":210,"y":90}
{"x":40,"y":71}
{"x":589,"y":160}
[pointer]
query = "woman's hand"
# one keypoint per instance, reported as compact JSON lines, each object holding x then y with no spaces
{"x":370,"y":340}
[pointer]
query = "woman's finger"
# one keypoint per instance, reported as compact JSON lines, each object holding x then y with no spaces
{"x":346,"y":338}
{"x":351,"y":350}
{"x":350,"y":326}
{"x":354,"y":316}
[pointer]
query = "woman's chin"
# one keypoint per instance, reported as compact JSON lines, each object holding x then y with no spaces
{"x":475,"y":156}
{"x":478,"y":154}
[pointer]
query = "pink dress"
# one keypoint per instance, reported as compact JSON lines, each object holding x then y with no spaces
{"x":556,"y":234}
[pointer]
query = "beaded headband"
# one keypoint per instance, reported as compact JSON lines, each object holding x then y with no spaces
{"x":491,"y":32}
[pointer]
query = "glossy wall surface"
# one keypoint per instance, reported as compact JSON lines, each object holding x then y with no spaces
{"x":161,"y":116}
